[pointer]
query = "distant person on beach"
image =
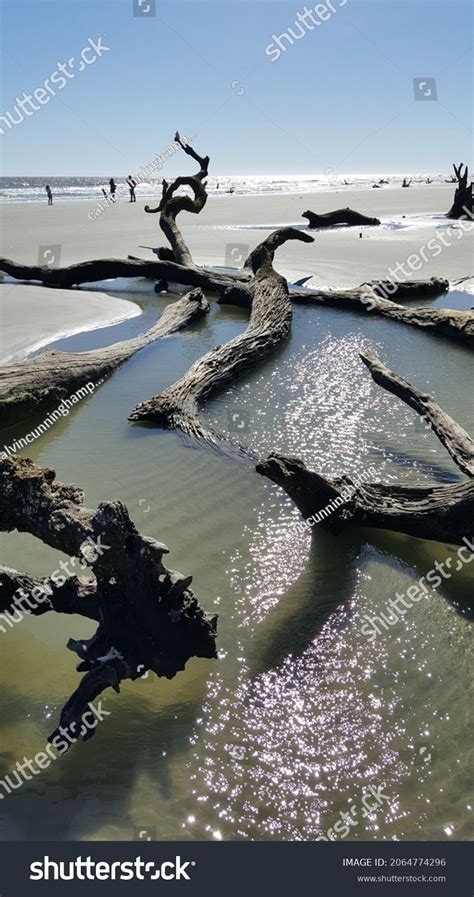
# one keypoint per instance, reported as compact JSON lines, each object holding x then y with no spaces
{"x":132,"y":184}
{"x":50,"y":195}
{"x":113,"y":188}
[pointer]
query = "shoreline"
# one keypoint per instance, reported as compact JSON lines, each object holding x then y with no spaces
{"x":325,"y":189}
{"x":20,"y":329}
{"x":222,"y":235}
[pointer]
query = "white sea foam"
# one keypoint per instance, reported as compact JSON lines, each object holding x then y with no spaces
{"x":32,"y":189}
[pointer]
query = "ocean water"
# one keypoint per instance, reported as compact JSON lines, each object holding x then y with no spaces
{"x":301,"y":714}
{"x":32,"y":189}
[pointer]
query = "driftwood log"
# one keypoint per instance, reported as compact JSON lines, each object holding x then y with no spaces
{"x":345,"y":216}
{"x":269,"y":325}
{"x":438,"y":513}
{"x":148,"y":617}
{"x":39,"y":383}
{"x":454,"y":438}
{"x":451,"y":323}
{"x":462,"y":204}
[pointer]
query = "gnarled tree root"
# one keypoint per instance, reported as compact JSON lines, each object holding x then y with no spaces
{"x":148,"y":617}
{"x":437,"y":513}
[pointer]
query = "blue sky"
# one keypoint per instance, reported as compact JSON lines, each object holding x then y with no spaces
{"x":340,"y":97}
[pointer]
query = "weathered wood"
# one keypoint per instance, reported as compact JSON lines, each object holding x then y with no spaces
{"x":462,"y":206}
{"x":149,"y":619}
{"x":457,"y":325}
{"x":269,"y":325}
{"x":454,"y":438}
{"x":438,"y":513}
{"x":345,"y":216}
{"x":106,"y":269}
{"x":41,"y":382}
{"x":409,"y":290}
{"x":171,"y":205}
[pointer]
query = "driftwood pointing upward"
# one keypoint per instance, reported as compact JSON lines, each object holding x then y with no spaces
{"x":438,"y":513}
{"x":345,"y":216}
{"x":148,"y":617}
{"x":41,"y":382}
{"x":171,"y":205}
{"x":454,"y":438}
{"x":462,"y":206}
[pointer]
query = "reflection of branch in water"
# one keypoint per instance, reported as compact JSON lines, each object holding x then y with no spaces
{"x":436,"y":471}
{"x":327,"y":581}
{"x":402,"y":553}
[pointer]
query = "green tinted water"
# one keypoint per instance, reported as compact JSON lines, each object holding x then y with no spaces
{"x":301,"y":713}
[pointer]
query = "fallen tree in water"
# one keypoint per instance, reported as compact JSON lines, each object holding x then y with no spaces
{"x":38,"y":383}
{"x":438,"y":513}
{"x":269,"y":325}
{"x":457,"y":325}
{"x":148,"y":617}
{"x":345,"y":216}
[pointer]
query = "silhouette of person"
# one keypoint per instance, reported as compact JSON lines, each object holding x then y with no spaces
{"x":132,"y":184}
{"x":50,"y":195}
{"x":113,"y":188}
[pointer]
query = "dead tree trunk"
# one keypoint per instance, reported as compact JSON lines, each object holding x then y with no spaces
{"x":433,"y":513}
{"x":171,"y":205}
{"x":454,"y":438}
{"x":462,"y":205}
{"x":340,"y":216}
{"x":438,"y":513}
{"x":41,"y":382}
{"x":148,"y":617}
{"x":457,"y":325}
{"x":269,"y":325}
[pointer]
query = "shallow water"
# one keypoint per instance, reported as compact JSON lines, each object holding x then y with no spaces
{"x":302,"y":713}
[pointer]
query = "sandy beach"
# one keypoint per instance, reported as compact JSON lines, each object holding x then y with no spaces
{"x":228,"y":227}
{"x":34,"y":316}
